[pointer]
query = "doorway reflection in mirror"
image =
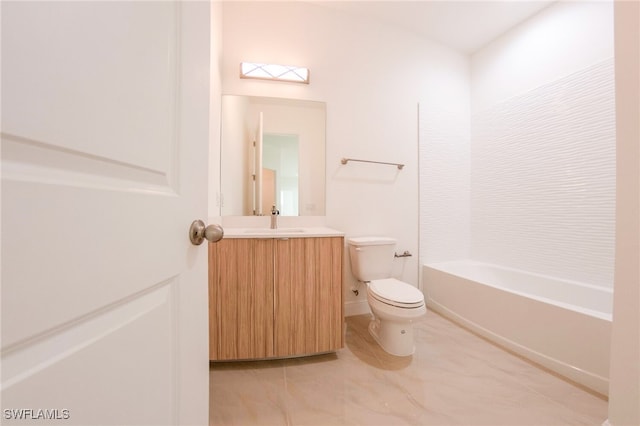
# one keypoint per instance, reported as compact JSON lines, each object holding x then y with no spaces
{"x":274,"y":140}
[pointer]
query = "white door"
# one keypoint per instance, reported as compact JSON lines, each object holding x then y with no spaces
{"x":104,"y":157}
{"x":257,"y":168}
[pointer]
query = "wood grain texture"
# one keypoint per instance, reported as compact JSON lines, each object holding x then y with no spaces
{"x":241,"y":299}
{"x":308,"y":296}
{"x":275,"y":297}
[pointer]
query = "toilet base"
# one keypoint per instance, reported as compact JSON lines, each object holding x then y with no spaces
{"x":395,"y":338}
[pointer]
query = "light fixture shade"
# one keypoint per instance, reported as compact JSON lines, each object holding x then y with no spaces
{"x":274,"y":72}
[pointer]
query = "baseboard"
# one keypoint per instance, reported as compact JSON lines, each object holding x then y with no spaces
{"x":356,"y":308}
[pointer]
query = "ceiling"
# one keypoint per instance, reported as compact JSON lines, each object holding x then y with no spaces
{"x":462,"y":25}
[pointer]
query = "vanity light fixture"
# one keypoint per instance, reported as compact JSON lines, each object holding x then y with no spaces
{"x":274,"y":72}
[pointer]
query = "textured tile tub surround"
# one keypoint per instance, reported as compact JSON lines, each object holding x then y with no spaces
{"x":543,"y":179}
{"x":454,"y":378}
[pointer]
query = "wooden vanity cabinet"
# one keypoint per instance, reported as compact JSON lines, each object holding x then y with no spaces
{"x":308,"y":316}
{"x":241,"y":299}
{"x":275,"y":297}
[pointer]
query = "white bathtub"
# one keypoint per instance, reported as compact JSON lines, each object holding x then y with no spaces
{"x":562,"y":325}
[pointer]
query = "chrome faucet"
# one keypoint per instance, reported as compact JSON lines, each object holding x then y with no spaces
{"x":274,"y":217}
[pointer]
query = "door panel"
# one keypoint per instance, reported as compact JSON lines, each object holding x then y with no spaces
{"x":63,"y":368}
{"x":55,"y":53}
{"x":104,"y":166}
{"x":268,"y":199}
{"x":57,"y":126}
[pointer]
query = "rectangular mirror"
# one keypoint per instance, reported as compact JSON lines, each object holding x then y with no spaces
{"x":272,"y":153}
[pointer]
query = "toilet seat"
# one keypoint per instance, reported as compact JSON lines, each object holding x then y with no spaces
{"x":396,"y":293}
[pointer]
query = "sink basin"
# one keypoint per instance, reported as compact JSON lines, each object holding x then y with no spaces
{"x":274,"y":231}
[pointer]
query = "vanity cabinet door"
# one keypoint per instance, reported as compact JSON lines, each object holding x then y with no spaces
{"x":241,"y":299}
{"x":308,"y":296}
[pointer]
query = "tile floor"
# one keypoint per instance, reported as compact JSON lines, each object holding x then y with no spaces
{"x":454,"y":378}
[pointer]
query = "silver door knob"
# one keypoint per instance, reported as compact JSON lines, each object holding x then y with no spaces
{"x":198,"y":232}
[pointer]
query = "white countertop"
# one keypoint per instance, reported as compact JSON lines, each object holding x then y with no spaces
{"x":282,"y":232}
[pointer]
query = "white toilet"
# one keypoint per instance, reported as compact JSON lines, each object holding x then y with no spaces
{"x":395,"y":304}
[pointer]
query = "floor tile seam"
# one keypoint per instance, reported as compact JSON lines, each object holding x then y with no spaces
{"x":542,"y":370}
{"x":555,"y":402}
{"x":405,"y":393}
{"x":415,"y":399}
{"x":289,"y":395}
{"x":512,"y":382}
{"x":400,"y":386}
{"x":532,"y":364}
{"x":285,"y":395}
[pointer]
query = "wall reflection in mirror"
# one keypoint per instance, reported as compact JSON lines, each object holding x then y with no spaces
{"x":272,"y":153}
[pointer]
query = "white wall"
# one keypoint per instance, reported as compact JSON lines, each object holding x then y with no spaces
{"x":372,"y":79}
{"x":560,"y":40}
{"x":543,"y":145}
{"x":234,"y":195}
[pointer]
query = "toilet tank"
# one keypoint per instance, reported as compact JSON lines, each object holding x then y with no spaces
{"x":371,"y":257}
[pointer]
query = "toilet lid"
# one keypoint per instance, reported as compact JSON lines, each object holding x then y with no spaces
{"x":395,"y":292}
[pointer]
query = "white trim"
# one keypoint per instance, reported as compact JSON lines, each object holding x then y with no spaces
{"x":590,"y":380}
{"x":356,"y":308}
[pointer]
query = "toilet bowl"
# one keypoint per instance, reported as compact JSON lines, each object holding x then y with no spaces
{"x":394,"y":303}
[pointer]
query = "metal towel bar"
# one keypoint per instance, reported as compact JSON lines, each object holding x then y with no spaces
{"x":346,"y":160}
{"x":405,"y":254}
